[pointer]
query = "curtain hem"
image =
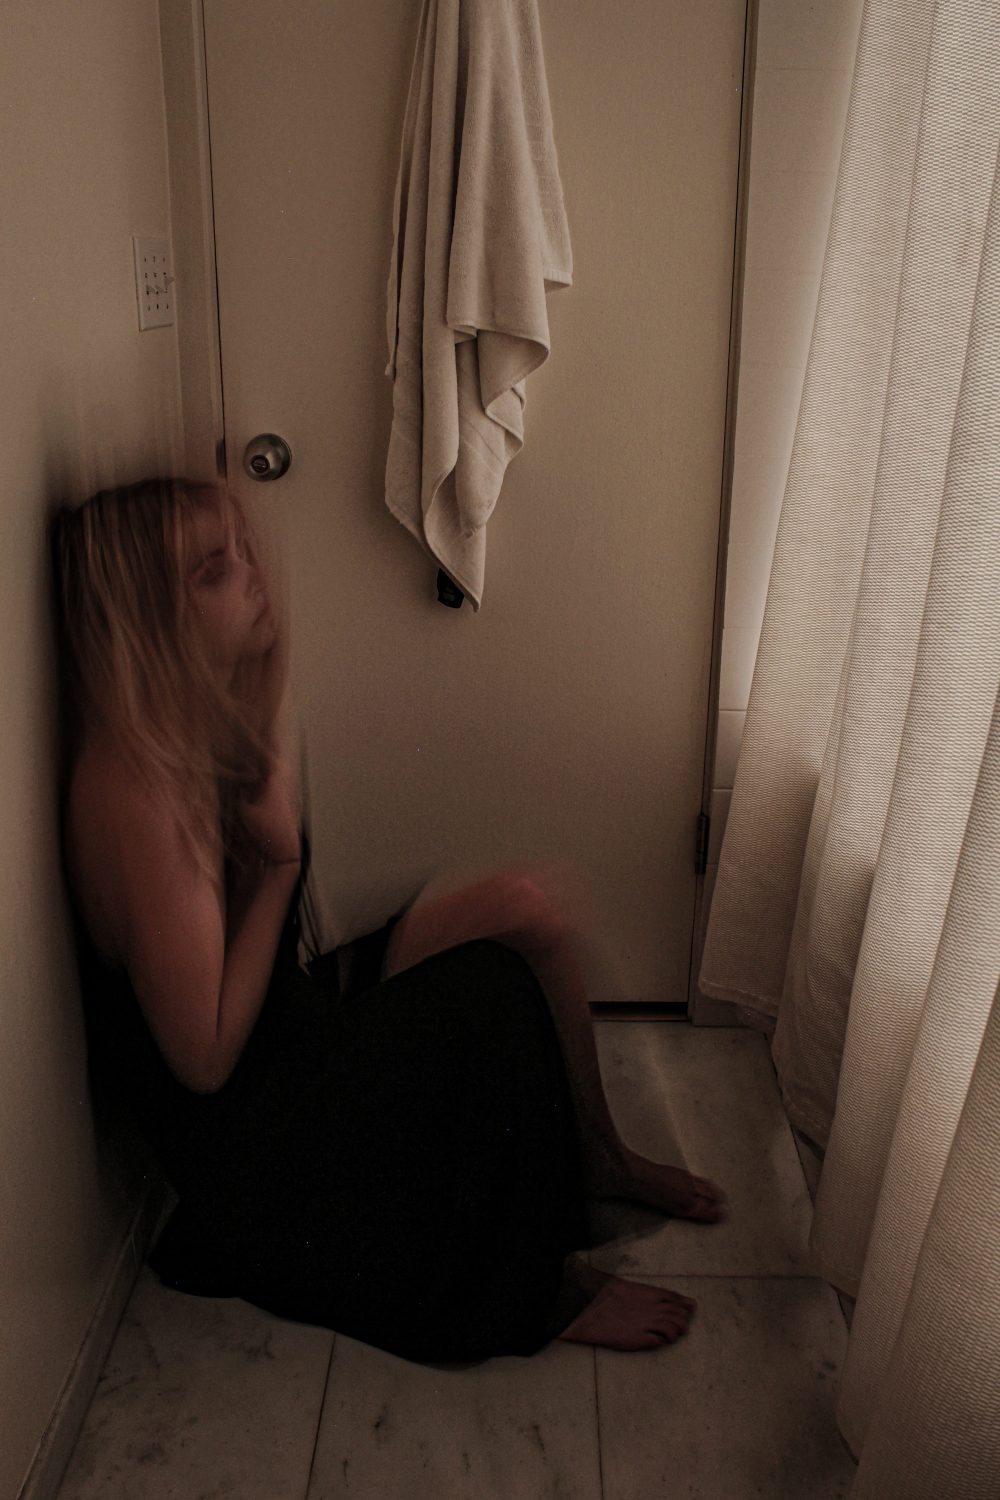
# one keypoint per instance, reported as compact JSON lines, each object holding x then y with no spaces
{"x":736,"y":996}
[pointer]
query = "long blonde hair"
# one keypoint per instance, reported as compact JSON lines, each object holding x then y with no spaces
{"x":133,"y":662}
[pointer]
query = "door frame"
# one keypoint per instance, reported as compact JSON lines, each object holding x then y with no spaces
{"x":192,"y":228}
{"x":703,"y":1010}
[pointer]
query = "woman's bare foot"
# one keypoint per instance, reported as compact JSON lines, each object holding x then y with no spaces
{"x":672,"y":1190}
{"x":626,"y":1315}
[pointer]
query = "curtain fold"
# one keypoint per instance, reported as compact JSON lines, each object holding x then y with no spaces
{"x":940,"y":758}
{"x":951,"y":1045}
{"x":856,"y":912}
{"x":936,"y":1433}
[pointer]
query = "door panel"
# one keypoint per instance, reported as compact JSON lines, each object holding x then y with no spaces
{"x":569,"y":717}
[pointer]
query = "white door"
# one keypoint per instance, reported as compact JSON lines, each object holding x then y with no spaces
{"x":569,"y":718}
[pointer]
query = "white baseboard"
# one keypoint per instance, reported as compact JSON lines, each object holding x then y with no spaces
{"x":59,"y":1439}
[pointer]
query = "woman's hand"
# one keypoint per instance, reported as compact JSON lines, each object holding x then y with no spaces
{"x":270,"y":817}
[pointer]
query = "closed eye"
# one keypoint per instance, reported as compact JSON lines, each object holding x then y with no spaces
{"x":212,"y":567}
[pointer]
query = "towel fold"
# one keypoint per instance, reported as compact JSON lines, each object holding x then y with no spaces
{"x":479,"y":237}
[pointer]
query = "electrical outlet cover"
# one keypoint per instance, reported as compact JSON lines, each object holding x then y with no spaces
{"x":154,"y":282}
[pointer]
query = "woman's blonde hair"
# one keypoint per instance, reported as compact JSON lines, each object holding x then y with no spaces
{"x":133,"y":661}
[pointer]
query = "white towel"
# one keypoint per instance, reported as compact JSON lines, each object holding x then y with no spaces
{"x":479,"y":237}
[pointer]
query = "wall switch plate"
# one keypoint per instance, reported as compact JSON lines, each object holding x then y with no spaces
{"x":154,"y":282}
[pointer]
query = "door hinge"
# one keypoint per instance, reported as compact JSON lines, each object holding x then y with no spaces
{"x":701,"y":843}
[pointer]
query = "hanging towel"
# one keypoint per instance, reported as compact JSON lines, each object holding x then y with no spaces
{"x":479,"y":237}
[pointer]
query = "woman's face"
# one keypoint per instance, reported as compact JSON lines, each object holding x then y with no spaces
{"x":227,"y":590}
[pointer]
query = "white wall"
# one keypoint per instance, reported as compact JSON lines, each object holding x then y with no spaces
{"x":805,"y":64}
{"x":87,"y":400}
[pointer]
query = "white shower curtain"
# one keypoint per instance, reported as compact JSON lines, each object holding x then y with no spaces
{"x":856,"y":912}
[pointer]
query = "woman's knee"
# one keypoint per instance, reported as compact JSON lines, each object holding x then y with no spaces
{"x":493,"y":975}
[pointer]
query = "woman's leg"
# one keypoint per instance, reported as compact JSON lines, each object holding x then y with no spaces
{"x":513,"y":909}
{"x":612,"y":1169}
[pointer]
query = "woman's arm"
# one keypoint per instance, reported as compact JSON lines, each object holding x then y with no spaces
{"x":200,"y":971}
{"x":255,"y":916}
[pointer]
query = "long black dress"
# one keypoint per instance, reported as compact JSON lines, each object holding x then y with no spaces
{"x":399,"y":1163}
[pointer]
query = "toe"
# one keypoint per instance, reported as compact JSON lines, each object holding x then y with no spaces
{"x":671,"y":1327}
{"x":710,"y":1201}
{"x":675,"y":1313}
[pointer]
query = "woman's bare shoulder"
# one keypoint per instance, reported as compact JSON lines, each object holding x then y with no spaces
{"x":104,"y":793}
{"x":100,"y":792}
{"x":111,"y":821}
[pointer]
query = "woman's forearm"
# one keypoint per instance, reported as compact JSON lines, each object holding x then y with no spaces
{"x":256,"y":911}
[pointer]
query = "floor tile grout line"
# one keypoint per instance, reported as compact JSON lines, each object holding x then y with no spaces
{"x":319,"y":1420}
{"x":634,"y":1271}
{"x":597,"y":1418}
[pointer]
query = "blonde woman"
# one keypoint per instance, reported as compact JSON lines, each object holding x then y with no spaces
{"x":407,"y":1162}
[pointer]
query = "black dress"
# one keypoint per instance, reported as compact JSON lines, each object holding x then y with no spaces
{"x":399,"y":1162}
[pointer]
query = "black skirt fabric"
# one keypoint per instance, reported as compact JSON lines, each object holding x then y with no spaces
{"x":399,"y":1163}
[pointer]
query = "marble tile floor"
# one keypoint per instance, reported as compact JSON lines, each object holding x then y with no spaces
{"x":205,"y":1399}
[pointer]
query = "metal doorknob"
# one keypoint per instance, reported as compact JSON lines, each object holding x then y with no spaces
{"x":267,"y":456}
